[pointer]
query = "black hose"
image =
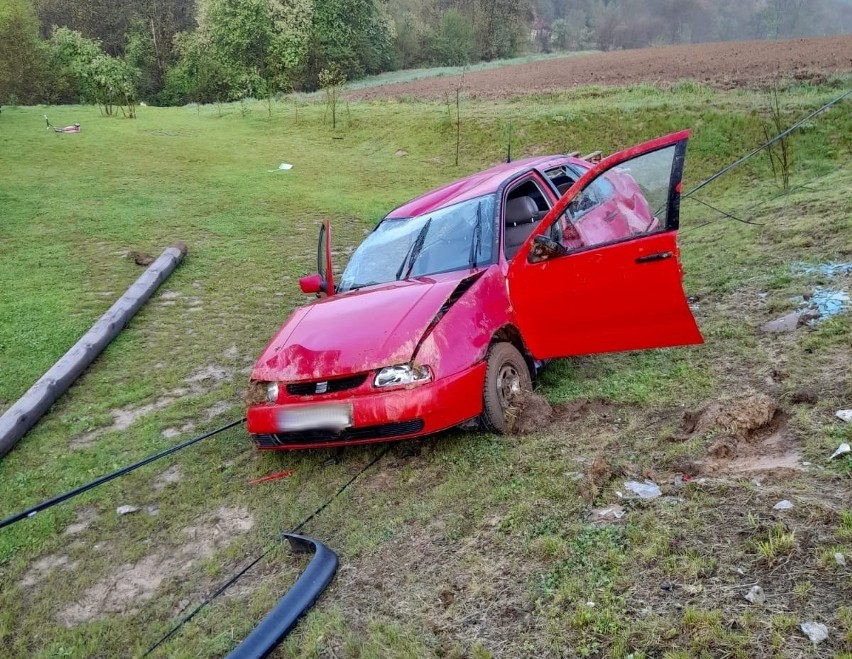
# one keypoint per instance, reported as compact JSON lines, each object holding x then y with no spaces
{"x":108,"y":477}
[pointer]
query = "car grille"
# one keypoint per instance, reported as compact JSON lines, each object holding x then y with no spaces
{"x":325,"y":386}
{"x":384,"y":431}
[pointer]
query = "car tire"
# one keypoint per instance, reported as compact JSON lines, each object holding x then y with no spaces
{"x":506,"y":374}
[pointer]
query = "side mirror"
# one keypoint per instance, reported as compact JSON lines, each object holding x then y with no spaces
{"x":544,"y":248}
{"x":311,"y":284}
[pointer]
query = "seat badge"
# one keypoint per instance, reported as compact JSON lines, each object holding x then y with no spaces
{"x":322,"y":387}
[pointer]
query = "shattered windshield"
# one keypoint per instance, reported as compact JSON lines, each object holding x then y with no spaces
{"x":453,"y":238}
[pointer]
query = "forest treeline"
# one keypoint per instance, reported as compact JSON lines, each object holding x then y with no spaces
{"x":168,"y":52}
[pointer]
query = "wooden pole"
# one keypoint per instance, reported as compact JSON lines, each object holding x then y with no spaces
{"x":28,"y":409}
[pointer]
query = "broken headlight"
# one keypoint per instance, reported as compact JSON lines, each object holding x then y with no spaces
{"x":402,"y":374}
{"x":260,"y":392}
{"x":255,"y":393}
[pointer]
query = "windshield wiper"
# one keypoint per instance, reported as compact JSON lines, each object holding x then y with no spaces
{"x":476,"y":243}
{"x":355,"y":287}
{"x":414,"y":252}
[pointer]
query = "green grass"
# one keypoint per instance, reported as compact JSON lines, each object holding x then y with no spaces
{"x":462,"y":545}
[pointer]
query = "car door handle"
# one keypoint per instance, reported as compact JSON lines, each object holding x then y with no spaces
{"x":659,"y":256}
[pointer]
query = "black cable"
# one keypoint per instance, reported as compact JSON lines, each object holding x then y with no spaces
{"x":108,"y":477}
{"x":778,"y":137}
{"x":256,"y":560}
{"x":724,"y":213}
{"x":786,"y":193}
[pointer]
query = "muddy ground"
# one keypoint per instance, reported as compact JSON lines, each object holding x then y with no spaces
{"x":726,"y":65}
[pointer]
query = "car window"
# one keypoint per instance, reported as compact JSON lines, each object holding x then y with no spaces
{"x":452,"y":238}
{"x":562,"y":178}
{"x":623,"y":202}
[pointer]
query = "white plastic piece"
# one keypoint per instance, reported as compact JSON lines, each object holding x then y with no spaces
{"x":646,"y":490}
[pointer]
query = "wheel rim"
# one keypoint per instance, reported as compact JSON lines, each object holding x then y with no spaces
{"x":508,"y":384}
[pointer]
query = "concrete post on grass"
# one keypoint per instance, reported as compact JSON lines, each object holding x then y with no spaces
{"x":28,"y":409}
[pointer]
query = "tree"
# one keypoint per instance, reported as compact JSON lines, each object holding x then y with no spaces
{"x":21,"y":53}
{"x":113,"y":84}
{"x":83,"y":72}
{"x":560,"y":31}
{"x":240,"y":34}
{"x":355,"y":36}
{"x":198,"y":75}
{"x":456,"y":41}
{"x":69,"y":56}
{"x":500,"y":27}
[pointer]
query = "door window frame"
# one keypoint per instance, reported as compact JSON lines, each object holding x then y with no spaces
{"x":677,"y":140}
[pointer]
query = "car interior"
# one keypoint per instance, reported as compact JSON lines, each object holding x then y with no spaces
{"x":526,"y":206}
{"x":561,"y":177}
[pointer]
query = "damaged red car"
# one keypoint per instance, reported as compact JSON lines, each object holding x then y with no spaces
{"x":456,"y":298}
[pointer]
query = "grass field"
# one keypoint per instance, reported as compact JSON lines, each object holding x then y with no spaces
{"x":465,"y":544}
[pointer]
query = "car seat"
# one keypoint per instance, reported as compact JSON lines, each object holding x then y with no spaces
{"x":522,"y":216}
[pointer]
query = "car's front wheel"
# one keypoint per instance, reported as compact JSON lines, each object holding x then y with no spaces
{"x":506,"y":375}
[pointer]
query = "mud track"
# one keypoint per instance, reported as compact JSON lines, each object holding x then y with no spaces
{"x":726,"y":65}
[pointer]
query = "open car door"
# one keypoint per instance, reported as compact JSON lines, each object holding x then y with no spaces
{"x":602,"y":273}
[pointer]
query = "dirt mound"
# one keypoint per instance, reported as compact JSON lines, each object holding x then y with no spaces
{"x":528,"y":413}
{"x":775,"y":454}
{"x":727,"y":65}
{"x":749,"y":434}
{"x":742,"y":416}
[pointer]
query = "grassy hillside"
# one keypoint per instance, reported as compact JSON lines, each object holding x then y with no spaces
{"x":461,"y":545}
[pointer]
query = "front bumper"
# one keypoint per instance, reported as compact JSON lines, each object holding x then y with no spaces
{"x":378,"y":416}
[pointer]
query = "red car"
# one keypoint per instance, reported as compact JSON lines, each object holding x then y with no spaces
{"x":449,"y":306}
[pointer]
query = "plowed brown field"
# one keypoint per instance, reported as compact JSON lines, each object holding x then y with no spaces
{"x":729,"y":64}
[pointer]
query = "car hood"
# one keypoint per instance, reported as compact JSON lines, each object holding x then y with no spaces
{"x":357,"y":331}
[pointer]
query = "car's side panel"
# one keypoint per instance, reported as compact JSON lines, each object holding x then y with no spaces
{"x":465,"y":330}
